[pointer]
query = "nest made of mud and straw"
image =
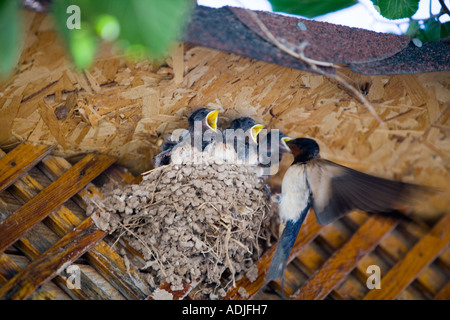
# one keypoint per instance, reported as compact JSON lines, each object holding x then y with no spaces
{"x":191,"y":222}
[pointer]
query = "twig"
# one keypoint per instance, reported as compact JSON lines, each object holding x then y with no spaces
{"x":314,"y":64}
{"x":154,"y":169}
{"x":152,"y":252}
{"x":242,"y":245}
{"x":154,"y":188}
{"x":444,"y":7}
{"x":227,"y":256}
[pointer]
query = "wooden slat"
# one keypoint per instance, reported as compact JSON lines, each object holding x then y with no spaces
{"x":394,"y":245}
{"x":68,"y":184}
{"x":20,"y":160}
{"x":62,"y":220}
{"x":308,"y":233}
{"x":444,"y":294}
{"x":310,"y":259}
{"x":419,"y":257}
{"x":106,"y":261}
{"x":8,"y":268}
{"x":343,"y":261}
{"x":47,"y":265}
{"x":35,"y":241}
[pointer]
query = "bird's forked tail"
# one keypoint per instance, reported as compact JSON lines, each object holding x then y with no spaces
{"x":284,"y":247}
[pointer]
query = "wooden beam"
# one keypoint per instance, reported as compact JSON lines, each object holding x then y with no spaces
{"x":68,"y":184}
{"x":343,"y":261}
{"x":415,"y":261}
{"x":51,"y":262}
{"x":19,"y":161}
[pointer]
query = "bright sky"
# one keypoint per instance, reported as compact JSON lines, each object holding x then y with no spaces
{"x":361,"y":15}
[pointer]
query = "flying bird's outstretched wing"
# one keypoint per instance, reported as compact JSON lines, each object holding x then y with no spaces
{"x":337,"y":190}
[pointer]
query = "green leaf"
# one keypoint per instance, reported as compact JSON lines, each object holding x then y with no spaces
{"x":154,"y":24}
{"x":145,"y":26}
{"x":83,"y":45}
{"x":310,"y":8}
{"x":107,"y":27}
{"x":396,"y":9}
{"x":431,"y":31}
{"x":445,"y":30}
{"x":10,"y":35}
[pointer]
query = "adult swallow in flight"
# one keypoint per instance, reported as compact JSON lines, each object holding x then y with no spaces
{"x":200,"y":121}
{"x":332,"y":191}
{"x":243,"y":135}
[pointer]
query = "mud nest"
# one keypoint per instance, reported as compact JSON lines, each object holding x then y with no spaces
{"x":190,"y":223}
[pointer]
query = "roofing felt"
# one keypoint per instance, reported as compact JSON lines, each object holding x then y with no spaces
{"x":234,"y":30}
{"x":367,"y":52}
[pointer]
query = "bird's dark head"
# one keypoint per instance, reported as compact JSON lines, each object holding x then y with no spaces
{"x":304,"y":149}
{"x":208,"y":117}
{"x":247,"y":124}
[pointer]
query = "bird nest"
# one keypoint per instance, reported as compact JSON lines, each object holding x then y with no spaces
{"x":204,"y":223}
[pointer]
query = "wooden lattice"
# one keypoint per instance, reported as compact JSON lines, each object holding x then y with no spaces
{"x":44,"y":229}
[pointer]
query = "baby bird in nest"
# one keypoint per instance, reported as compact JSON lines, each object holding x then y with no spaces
{"x":201,"y":122}
{"x":242,"y":135}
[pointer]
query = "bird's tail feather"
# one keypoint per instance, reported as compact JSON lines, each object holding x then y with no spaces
{"x":284,"y":247}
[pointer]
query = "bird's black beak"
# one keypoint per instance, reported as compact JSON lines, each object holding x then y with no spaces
{"x":284,"y":144}
{"x":255,"y":131}
{"x":211,"y":119}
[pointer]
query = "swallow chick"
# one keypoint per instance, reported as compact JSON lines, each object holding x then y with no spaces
{"x":200,"y":122}
{"x":332,"y":191}
{"x":243,"y":135}
{"x":271,"y":147}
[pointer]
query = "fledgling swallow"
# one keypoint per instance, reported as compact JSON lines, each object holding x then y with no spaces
{"x":332,"y":191}
{"x":272,"y":143}
{"x":208,"y":121}
{"x":245,"y":133}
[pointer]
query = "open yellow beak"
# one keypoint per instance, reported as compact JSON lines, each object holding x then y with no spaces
{"x":285,"y":147}
{"x":211,"y":119}
{"x":255,"y":131}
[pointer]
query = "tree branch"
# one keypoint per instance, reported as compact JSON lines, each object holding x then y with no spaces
{"x":314,"y":64}
{"x":444,"y":7}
